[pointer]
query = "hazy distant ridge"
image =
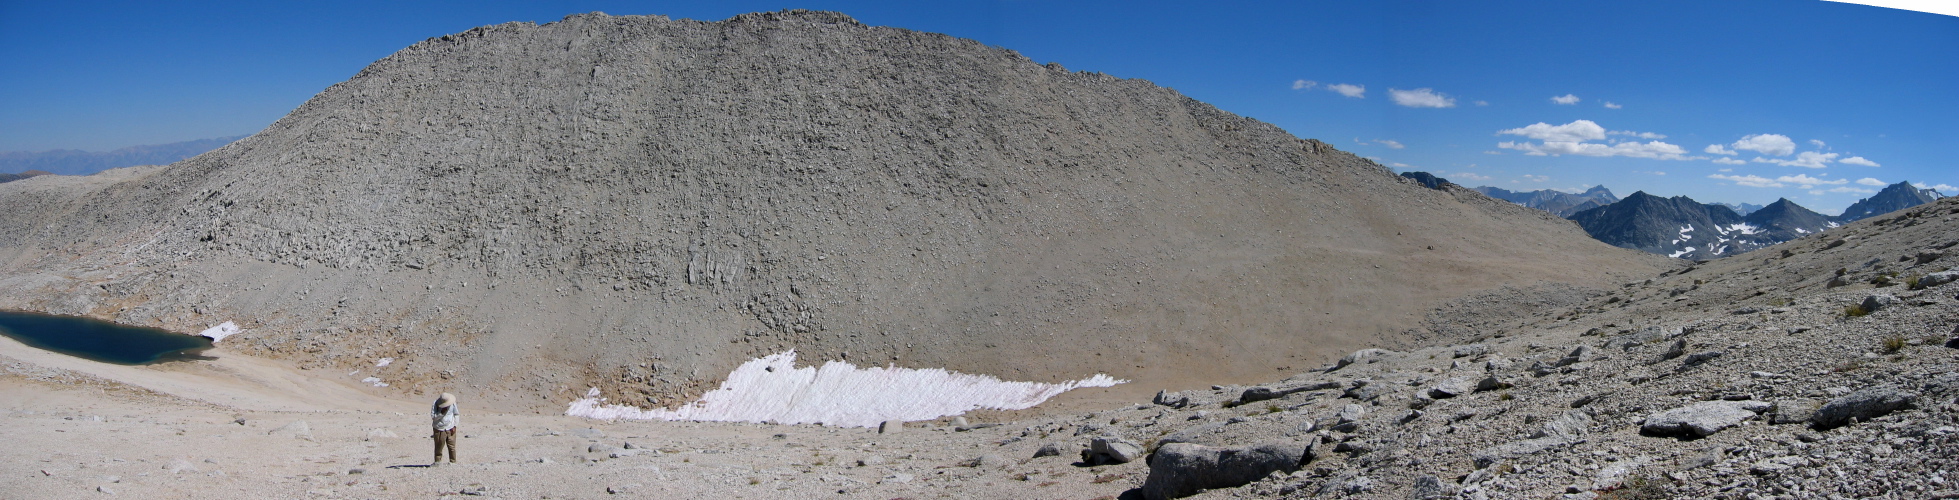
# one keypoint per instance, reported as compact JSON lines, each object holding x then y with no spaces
{"x":78,"y":162}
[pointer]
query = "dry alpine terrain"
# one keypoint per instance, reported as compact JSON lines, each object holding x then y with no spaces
{"x":521,"y":212}
{"x":1825,"y":367}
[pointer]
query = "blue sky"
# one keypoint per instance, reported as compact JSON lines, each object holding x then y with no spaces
{"x":1734,"y":101}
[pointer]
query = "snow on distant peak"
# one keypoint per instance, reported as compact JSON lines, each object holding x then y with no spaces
{"x":772,"y":389}
{"x":1683,"y":251}
{"x":1743,"y":227}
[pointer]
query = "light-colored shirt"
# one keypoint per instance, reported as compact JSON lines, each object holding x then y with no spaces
{"x":444,"y":419}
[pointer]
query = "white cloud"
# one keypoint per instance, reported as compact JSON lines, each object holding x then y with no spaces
{"x":1610,"y":105}
{"x":1421,"y":98}
{"x":1807,"y":159}
{"x":1857,"y":160}
{"x":1717,"y":149}
{"x":1818,"y":143}
{"x":1805,"y":181}
{"x":1401,"y":165}
{"x":1726,"y":170}
{"x":1482,"y":103}
{"x":1773,"y":144}
{"x":1536,"y":178}
{"x":1655,"y":150}
{"x":1642,"y":135}
{"x":1389,"y":143}
{"x":1304,"y":84}
{"x":1748,"y":180}
{"x":1848,"y":189}
{"x":1817,"y":192}
{"x":1729,"y":161}
{"x":1871,"y":182}
{"x":1941,"y":188}
{"x":1566,"y":99}
{"x":1470,"y":176}
{"x":1349,"y":90}
{"x":1576,"y":131}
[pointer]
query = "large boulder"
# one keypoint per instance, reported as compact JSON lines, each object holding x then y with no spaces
{"x":1878,"y":301}
{"x":1863,"y":404}
{"x":1111,"y":451}
{"x":1179,"y":470}
{"x":1938,"y":278}
{"x":1702,"y":419}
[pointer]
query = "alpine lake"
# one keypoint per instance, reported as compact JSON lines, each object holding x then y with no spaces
{"x":102,"y":341}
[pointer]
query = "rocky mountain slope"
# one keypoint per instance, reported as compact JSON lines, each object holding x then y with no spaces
{"x":1892,"y":198}
{"x":640,"y":204}
{"x":1825,"y":367}
{"x":77,"y":162}
{"x":1561,"y":203}
{"x":1820,"y":368}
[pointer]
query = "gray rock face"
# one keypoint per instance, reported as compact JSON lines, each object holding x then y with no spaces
{"x":1111,"y":451}
{"x":1049,"y":449}
{"x":1179,"y":470}
{"x":1877,"y":301}
{"x":1938,"y":278}
{"x":891,"y":427}
{"x":1863,"y":404}
{"x":1702,"y":419}
{"x":1567,"y":428}
{"x":1794,"y":411}
{"x":1470,"y":350}
{"x":1361,"y":356}
{"x":1581,"y":354}
{"x":1452,"y":387}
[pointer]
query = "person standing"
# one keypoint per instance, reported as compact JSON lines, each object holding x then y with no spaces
{"x":444,"y":418}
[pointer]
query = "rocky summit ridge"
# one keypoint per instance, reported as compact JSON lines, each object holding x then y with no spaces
{"x":639,"y":204}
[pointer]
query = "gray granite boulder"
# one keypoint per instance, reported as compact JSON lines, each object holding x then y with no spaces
{"x":1179,"y":470}
{"x":1702,"y":419}
{"x":1863,"y":404}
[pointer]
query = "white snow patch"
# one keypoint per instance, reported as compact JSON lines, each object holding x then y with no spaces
{"x":772,"y":389}
{"x":1833,"y":224}
{"x":376,"y":381}
{"x":1802,"y":231}
{"x":1743,"y":227}
{"x":217,"y":333}
{"x":383,"y":362}
{"x":1684,"y":251}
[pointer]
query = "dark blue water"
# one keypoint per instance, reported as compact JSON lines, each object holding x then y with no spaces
{"x":101,"y":340}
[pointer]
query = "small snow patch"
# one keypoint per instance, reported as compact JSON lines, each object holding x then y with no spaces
{"x":217,"y":333}
{"x":1684,"y":251}
{"x":772,"y":389}
{"x":383,"y":362}
{"x":1743,"y":228}
{"x":375,"y":381}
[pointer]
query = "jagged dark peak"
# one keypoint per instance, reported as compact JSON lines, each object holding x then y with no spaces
{"x":1892,"y":198}
{"x":1428,"y":180}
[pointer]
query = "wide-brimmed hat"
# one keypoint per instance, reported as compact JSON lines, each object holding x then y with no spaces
{"x":445,"y":400}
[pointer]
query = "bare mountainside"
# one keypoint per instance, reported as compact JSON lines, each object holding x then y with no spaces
{"x":639,"y":204}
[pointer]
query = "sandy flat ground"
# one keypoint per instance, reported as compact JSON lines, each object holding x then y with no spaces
{"x":230,"y":427}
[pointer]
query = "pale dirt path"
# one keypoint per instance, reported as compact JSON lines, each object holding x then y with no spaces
{"x":80,"y":429}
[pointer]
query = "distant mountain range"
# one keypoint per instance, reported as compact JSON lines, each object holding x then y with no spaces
{"x":1683,"y":228}
{"x":23,"y":175}
{"x":77,"y":162}
{"x":1558,"y":202}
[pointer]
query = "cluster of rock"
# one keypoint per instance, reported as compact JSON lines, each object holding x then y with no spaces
{"x":1732,"y":379}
